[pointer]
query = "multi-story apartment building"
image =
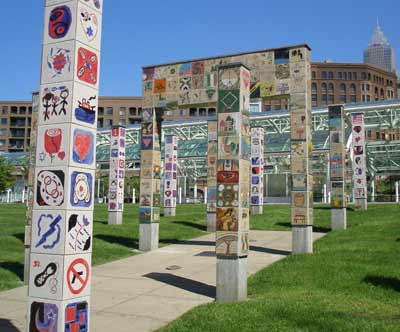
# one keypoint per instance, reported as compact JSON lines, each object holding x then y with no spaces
{"x":119,"y":110}
{"x":15,"y":125}
{"x":342,"y":83}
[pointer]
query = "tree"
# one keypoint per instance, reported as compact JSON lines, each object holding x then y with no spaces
{"x":7,"y":180}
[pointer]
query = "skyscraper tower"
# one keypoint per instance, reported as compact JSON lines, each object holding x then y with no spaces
{"x":379,"y":52}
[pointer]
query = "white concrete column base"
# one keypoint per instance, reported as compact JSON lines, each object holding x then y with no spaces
{"x":256,"y":209}
{"x":231,"y":280}
{"x":338,"y":219}
{"x":302,"y":240}
{"x":361,"y":204}
{"x":115,"y":218}
{"x":170,"y":211}
{"x":148,"y":236}
{"x":211,"y":222}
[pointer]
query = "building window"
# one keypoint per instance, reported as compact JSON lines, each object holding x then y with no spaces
{"x":255,"y":107}
{"x":213,"y":112}
{"x":345,"y":76}
{"x":324,"y":99}
{"x":4,"y":110}
{"x":202,"y":112}
{"x":14,"y":110}
{"x":369,"y":133}
{"x":343,"y":88}
{"x":314,"y":75}
{"x":368,"y":98}
{"x":314,"y":99}
{"x":122,"y":122}
{"x":100,"y":110}
{"x":132,"y":111}
{"x":193,"y":112}
{"x":330,"y":75}
{"x":369,"y":76}
{"x":182,"y":112}
{"x":363,"y":98}
{"x":382,"y":93}
{"x":363,"y":76}
{"x":353,"y":99}
{"x":109,"y":110}
{"x":350,"y":76}
{"x":2,"y":142}
{"x":331,"y":88}
{"x":355,"y":76}
{"x":122,"y":111}
{"x":314,"y":87}
{"x":109,"y":122}
{"x":267,"y":108}
{"x":331,"y":99}
{"x":324,"y":76}
{"x":100,"y":123}
{"x":139,"y":111}
{"x":22,"y":110}
{"x":340,"y":75}
{"x":277,"y":107}
{"x":353,"y":89}
{"x":343,"y":99}
{"x":323,"y":88}
{"x":4,"y":121}
{"x":133,"y":121}
{"x":368,"y":87}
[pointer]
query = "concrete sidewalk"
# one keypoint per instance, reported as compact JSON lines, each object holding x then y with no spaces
{"x":145,"y":292}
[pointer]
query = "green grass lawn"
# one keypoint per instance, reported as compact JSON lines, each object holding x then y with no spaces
{"x":110,"y":242}
{"x":350,"y":283}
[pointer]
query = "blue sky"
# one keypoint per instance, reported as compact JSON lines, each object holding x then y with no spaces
{"x":137,"y":33}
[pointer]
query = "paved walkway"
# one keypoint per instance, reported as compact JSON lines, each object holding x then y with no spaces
{"x":145,"y":292}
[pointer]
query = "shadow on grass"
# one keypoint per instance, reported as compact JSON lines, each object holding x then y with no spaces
{"x":7,"y":326}
{"x":328,"y":208}
{"x":130,"y":243}
{"x":189,"y":285}
{"x":20,"y":236}
{"x":104,"y":222}
{"x":270,"y":251}
{"x":317,"y":229}
{"x":384,"y":282}
{"x":191,"y":224}
{"x":14,"y":267}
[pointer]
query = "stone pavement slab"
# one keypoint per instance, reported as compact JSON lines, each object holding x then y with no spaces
{"x":147,"y":291}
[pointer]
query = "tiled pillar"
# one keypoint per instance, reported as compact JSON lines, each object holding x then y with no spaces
{"x":337,"y":156}
{"x":359,"y":161}
{"x":150,"y":181}
{"x":31,"y":183}
{"x":62,"y":218}
{"x":301,"y":151}
{"x":170,"y":174}
{"x":212,"y":175}
{"x":257,"y":171}
{"x":233,"y":166}
{"x":116,"y":176}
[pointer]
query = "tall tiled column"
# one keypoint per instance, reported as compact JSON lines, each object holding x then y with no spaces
{"x":212,"y":175}
{"x":117,"y":175}
{"x":257,"y":171}
{"x":31,"y":184}
{"x":337,"y":156}
{"x":170,"y":174}
{"x":301,"y":151}
{"x":359,"y":161}
{"x":233,"y":167}
{"x":150,"y":181}
{"x":62,"y":219}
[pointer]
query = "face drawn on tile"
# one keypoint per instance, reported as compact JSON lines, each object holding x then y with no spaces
{"x":228,"y":195}
{"x":55,"y":104}
{"x":81,"y":192}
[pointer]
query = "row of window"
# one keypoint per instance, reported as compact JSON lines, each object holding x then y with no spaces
{"x":22,"y":110}
{"x":330,"y":87}
{"x":330,"y":99}
{"x":133,"y":111}
{"x":352,"y":76}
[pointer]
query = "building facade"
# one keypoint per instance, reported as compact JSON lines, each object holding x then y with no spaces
{"x":344,"y":83}
{"x":379,"y":52}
